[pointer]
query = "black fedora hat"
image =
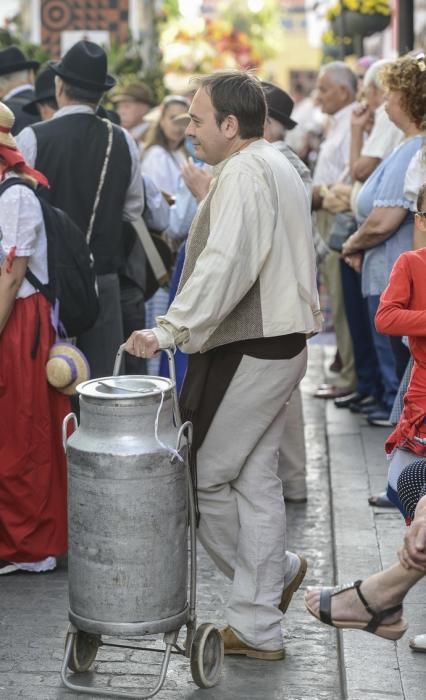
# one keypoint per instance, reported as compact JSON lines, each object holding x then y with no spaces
{"x":44,"y":90}
{"x":85,"y":65}
{"x":13,"y":60}
{"x":280,"y":104}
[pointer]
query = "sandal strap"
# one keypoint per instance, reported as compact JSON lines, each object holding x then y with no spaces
{"x":377,"y":616}
{"x":325,"y":601}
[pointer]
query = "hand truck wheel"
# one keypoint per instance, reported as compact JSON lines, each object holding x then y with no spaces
{"x":206,"y":656}
{"x":83,"y":651}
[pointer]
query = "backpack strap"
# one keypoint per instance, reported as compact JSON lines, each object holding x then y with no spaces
{"x":30,"y":276}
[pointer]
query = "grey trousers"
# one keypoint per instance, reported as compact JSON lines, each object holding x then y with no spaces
{"x":243,"y":525}
{"x":100,"y":344}
{"x":292,"y":452}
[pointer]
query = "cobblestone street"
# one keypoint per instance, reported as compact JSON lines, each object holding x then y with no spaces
{"x":317,"y":666}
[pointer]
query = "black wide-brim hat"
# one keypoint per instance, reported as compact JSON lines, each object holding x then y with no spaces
{"x":280,"y":105}
{"x":13,"y":60}
{"x":44,"y":90}
{"x":85,"y":65}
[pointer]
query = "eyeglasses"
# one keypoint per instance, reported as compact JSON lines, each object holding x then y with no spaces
{"x":422,"y":214}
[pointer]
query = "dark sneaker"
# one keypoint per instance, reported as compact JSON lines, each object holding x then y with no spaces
{"x":346,"y":401}
{"x":379,"y":419}
{"x":360,"y":406}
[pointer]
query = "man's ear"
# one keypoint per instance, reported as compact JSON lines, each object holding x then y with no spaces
{"x":230,"y":126}
{"x":345,"y":93}
{"x":59,"y":86}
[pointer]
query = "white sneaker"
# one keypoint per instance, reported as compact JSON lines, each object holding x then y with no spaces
{"x":418,"y":643}
{"x":8,"y":567}
{"x":35,"y":567}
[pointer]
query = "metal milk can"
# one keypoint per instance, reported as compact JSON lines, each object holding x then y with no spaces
{"x":128,"y":510}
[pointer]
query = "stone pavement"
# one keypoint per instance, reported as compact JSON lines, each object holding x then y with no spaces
{"x":366,"y":540}
{"x":320,"y":663}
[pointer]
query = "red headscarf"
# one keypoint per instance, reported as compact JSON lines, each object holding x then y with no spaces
{"x":15,"y":161}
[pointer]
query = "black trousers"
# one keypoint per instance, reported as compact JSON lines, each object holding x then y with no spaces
{"x":133,"y":313}
{"x":100,"y":344}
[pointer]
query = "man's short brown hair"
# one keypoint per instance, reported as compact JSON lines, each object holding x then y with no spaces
{"x":238,"y":93}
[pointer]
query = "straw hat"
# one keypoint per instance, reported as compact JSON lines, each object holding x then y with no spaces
{"x":7,"y":120}
{"x":66,"y":367}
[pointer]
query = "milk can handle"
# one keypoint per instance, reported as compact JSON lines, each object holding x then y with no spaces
{"x":118,"y":361}
{"x":172,"y":374}
{"x":70,"y":416}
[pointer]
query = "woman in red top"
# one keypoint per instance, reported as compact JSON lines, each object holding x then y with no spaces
{"x":402,"y":311}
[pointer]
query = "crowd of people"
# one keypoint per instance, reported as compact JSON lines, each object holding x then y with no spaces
{"x":253,"y":210}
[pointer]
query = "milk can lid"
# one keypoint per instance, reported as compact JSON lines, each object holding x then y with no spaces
{"x":124,"y":387}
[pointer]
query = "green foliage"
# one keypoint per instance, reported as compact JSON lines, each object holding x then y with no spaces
{"x":34,"y":52}
{"x":126,"y":64}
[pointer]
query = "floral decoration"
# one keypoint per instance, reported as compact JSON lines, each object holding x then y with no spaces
{"x":364,"y":7}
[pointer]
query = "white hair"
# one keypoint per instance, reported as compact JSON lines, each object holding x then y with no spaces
{"x":12,"y":80}
{"x":372,"y":76}
{"x":341,"y":74}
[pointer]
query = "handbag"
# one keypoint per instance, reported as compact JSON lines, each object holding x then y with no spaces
{"x":148,"y":258}
{"x":344,"y":225}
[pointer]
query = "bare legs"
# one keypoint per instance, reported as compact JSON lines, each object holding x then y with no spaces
{"x":387,"y":588}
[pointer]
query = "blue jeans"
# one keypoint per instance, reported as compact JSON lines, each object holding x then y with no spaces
{"x":384,"y":355}
{"x":366,"y":364}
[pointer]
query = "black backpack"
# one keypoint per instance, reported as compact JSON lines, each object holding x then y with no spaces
{"x":72,"y":278}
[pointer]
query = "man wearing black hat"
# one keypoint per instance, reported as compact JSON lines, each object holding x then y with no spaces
{"x":94,"y":173}
{"x":16,"y":85}
{"x":278,"y":122}
{"x":44,"y":104}
{"x":292,"y":452}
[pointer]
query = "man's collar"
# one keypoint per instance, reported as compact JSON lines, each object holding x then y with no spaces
{"x":338,"y":116}
{"x":16,"y":90}
{"x":73,"y":109}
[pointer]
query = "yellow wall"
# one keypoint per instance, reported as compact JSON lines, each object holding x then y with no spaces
{"x":295,"y":54}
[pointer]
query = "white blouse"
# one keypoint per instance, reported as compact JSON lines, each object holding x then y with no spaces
{"x":163,"y":167}
{"x":22,"y":226}
{"x":416,"y":175}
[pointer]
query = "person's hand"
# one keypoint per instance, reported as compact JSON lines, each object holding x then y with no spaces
{"x":354,"y":261}
{"x":349,"y":247}
{"x":412,"y":554}
{"x":362,"y":117}
{"x":337,"y":198}
{"x":333,"y":203}
{"x":196,"y":179}
{"x":142,"y":344}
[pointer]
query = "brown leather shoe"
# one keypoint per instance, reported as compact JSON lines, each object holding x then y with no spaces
{"x":294,"y":584}
{"x":234,"y":645}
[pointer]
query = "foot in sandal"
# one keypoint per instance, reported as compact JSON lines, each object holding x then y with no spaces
{"x":359,"y":605}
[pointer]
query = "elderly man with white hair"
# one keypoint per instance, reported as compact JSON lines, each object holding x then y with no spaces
{"x":337,"y":87}
{"x":383,"y":137}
